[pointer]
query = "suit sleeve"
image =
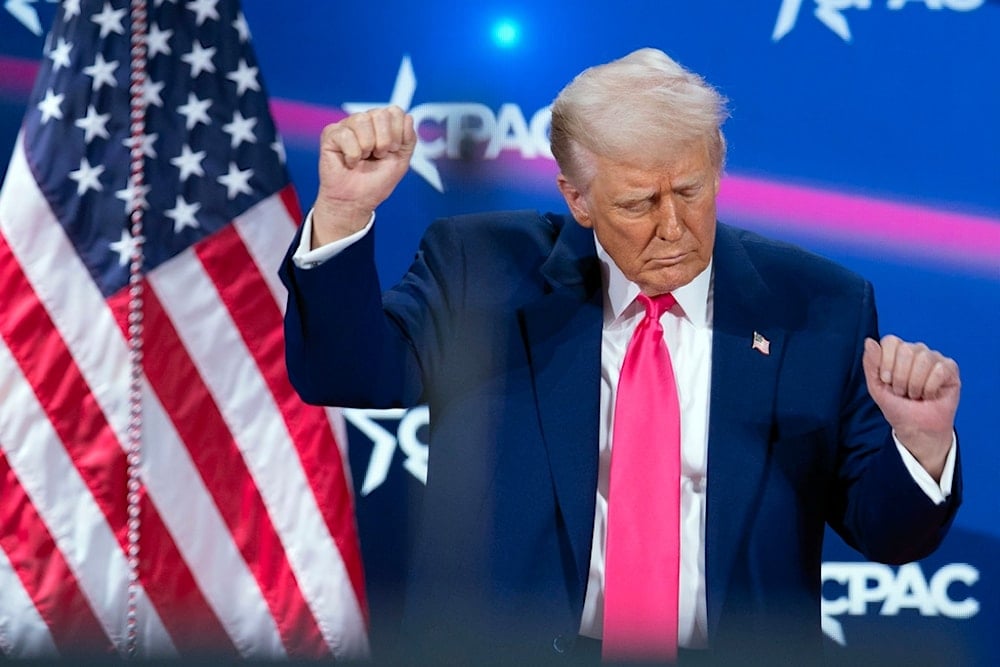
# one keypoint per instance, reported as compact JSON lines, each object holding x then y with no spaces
{"x":879,"y":508}
{"x":348,"y":345}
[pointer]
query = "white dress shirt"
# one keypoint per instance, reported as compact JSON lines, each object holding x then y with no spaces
{"x":687,"y":331}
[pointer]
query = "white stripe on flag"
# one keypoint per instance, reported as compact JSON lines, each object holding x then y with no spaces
{"x":86,"y":324}
{"x":23,"y":633}
{"x":266,"y":230}
{"x":76,"y":523}
{"x":202,"y":537}
{"x":226,"y":366}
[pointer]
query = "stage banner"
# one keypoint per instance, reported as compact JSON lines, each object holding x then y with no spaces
{"x":864,"y":130}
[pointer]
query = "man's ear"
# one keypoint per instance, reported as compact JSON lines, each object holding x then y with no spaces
{"x":576,"y":201}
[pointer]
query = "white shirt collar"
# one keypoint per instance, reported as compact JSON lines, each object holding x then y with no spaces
{"x":620,"y":292}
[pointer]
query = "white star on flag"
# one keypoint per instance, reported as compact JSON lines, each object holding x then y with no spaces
{"x":189,"y":162}
{"x":102,"y":71}
{"x":183,"y":214}
{"x":200,"y":59}
{"x":86,"y":177}
{"x":204,"y":9}
{"x":110,"y":20}
{"x":236,"y":181}
{"x":245,"y":77}
{"x":158,"y":41}
{"x":195,"y":111}
{"x":240,"y":130}
{"x":151,"y":93}
{"x":60,"y":54}
{"x":51,"y":106}
{"x":94,"y":124}
{"x":125,"y":247}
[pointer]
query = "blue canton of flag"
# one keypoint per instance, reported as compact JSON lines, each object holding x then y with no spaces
{"x":210,"y":145}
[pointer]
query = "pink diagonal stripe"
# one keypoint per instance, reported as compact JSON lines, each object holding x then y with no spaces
{"x":301,"y":124}
{"x":857,"y":220}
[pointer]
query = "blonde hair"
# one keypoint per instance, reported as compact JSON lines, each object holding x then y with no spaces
{"x":630,"y":107}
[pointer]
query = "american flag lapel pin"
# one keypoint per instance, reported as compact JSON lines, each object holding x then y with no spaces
{"x":761,"y":344}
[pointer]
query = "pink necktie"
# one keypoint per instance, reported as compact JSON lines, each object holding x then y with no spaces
{"x":642,"y":561}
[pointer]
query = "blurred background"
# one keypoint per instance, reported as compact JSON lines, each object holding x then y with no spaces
{"x":864,"y":130}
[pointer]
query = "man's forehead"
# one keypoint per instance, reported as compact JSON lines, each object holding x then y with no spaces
{"x":652,"y":173}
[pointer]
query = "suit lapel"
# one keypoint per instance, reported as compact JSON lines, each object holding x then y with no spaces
{"x":743,"y":390}
{"x":562,"y":335}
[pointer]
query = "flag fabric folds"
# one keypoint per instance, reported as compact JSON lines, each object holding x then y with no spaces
{"x":241,"y":508}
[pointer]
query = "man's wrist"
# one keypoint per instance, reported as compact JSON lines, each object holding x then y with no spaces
{"x":307,"y":255}
{"x":333,"y":222}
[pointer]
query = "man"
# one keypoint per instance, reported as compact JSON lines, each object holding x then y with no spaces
{"x":517,"y":330}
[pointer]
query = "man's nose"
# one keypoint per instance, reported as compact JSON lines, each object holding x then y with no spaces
{"x":669,"y":226}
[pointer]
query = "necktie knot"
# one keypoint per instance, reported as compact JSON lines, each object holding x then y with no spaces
{"x":657,"y":305}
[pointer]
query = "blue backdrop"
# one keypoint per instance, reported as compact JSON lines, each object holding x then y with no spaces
{"x":866,"y":130}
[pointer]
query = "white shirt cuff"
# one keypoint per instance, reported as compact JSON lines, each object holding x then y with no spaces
{"x":306,"y":257}
{"x":937,"y":492}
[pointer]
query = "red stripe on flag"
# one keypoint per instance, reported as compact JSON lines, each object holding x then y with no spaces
{"x":44,"y":572}
{"x":258,"y":319}
{"x":50,"y":369}
{"x":188,"y":617}
{"x":199,"y":423}
{"x":290,"y":198}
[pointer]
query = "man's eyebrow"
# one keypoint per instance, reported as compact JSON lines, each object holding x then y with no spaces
{"x":634,"y":196}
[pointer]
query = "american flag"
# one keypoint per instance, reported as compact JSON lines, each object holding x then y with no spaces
{"x":147,"y":155}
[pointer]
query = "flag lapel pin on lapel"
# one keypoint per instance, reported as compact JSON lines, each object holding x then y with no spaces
{"x":761,"y":344}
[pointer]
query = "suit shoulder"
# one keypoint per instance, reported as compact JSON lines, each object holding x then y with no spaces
{"x":514,"y":231}
{"x":790,"y":265}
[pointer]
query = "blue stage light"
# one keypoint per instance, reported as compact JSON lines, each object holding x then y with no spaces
{"x":506,"y":33}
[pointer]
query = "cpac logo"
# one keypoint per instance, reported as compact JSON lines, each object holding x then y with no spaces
{"x":829,"y":12}
{"x":459,"y":129}
{"x":405,"y":435}
{"x":861,"y":584}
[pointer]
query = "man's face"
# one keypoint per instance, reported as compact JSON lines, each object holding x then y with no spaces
{"x":657,"y":223}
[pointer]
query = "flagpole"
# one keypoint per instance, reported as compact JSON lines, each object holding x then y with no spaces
{"x":137,"y":128}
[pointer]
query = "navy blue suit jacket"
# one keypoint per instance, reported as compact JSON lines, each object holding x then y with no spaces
{"x":497,"y":327}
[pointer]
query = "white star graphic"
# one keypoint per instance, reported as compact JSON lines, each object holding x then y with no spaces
{"x":195,"y":111}
{"x":157,"y":41}
{"x":151,"y":93}
{"x":133,"y":196}
{"x":71,"y":8}
{"x":240,"y":130}
{"x":200,"y":59}
{"x":50,"y":106}
{"x":236,"y":181}
{"x":60,"y":54}
{"x":145,"y":144}
{"x":402,"y":96}
{"x":125,"y":247}
{"x":183,"y":215}
{"x":93,"y":124}
{"x":203,"y":9}
{"x":242,"y":29}
{"x":86,"y":177}
{"x":245,"y":77}
{"x":102,"y":72}
{"x":189,"y":162}
{"x":110,"y":20}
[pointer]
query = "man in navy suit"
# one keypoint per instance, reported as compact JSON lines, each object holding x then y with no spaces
{"x":512,"y":327}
